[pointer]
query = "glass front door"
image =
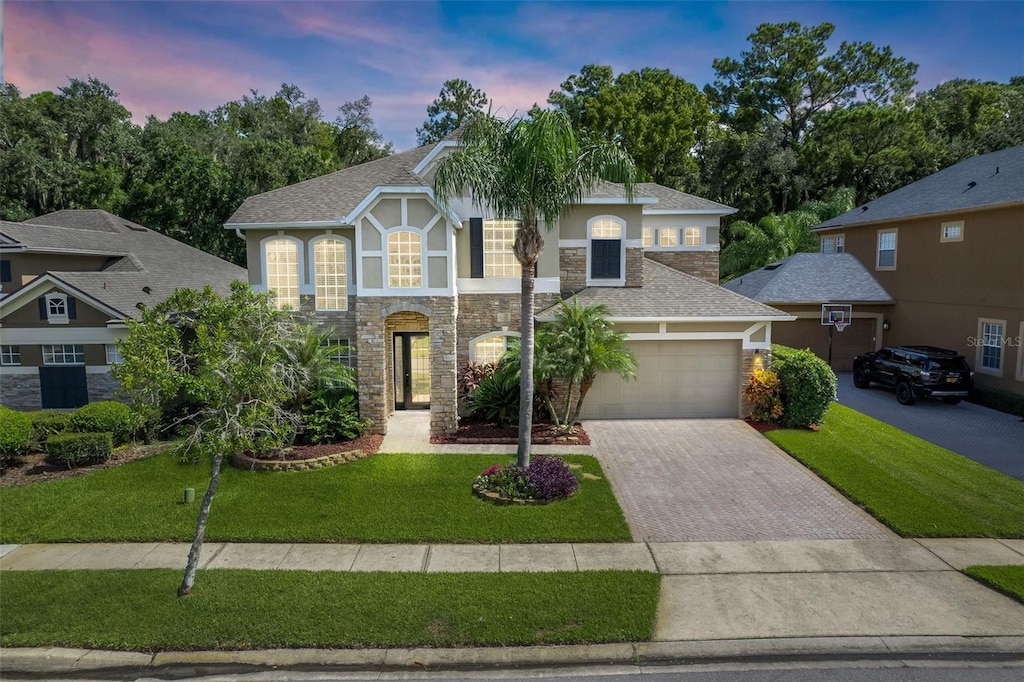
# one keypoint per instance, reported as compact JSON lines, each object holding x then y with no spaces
{"x":412,"y":370}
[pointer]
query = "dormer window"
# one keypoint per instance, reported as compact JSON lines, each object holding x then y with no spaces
{"x":57,"y":308}
{"x":607,"y":251}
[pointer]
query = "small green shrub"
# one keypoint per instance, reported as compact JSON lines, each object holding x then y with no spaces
{"x":808,"y":385}
{"x":330,"y":417}
{"x":496,"y":398}
{"x":993,"y":398}
{"x":46,"y":423}
{"x":15,"y":434}
{"x":765,"y":395}
{"x":108,"y":416}
{"x":73,"y":449}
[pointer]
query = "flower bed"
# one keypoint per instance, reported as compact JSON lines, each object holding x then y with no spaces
{"x":309,"y":457}
{"x":479,"y":433}
{"x":546,"y":480}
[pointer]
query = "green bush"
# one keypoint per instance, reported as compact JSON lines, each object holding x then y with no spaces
{"x":496,"y":398}
{"x":46,"y":423}
{"x":1004,"y":401}
{"x":73,"y":449}
{"x":15,"y":434}
{"x":108,"y":416}
{"x":808,"y":385}
{"x":331,"y":417}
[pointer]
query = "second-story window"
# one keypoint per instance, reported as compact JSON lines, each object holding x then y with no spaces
{"x":405,"y":260}
{"x":282,"y":258}
{"x":330,"y":262}
{"x":606,"y":255}
{"x":692,"y":236}
{"x":499,"y":261}
{"x":668,"y":236}
{"x":886,"y":250}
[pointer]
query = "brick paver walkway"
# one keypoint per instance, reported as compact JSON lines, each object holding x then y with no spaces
{"x":717,"y":480}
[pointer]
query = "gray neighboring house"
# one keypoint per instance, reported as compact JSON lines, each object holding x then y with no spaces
{"x":70,"y":280}
{"x":800,"y":285}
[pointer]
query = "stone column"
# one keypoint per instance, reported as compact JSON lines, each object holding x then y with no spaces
{"x":370,"y":370}
{"x":444,"y":391}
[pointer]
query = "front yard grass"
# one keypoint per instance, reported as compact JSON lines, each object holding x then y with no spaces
{"x":384,"y":498}
{"x":1006,"y":579}
{"x":237,"y":609}
{"x":916,"y":488}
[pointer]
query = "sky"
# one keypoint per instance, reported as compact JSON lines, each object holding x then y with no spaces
{"x":175,"y":55}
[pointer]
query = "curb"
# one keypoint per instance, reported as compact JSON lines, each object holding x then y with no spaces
{"x":63,"y":662}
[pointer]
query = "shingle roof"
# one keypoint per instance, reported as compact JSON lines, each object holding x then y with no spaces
{"x":670,"y":294}
{"x":982,"y":181}
{"x":669,"y":198}
{"x":811,"y":278}
{"x":139,"y":257}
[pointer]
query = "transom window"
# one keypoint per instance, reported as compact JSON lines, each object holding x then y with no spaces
{"x":668,"y":236}
{"x":490,"y":350}
{"x":606,"y":229}
{"x":330,"y":267}
{"x":282,"y":258}
{"x":887,"y":249}
{"x":405,"y":260}
{"x":499,"y":261}
{"x":648,"y":236}
{"x":65,"y":354}
{"x":992,"y":346}
{"x":10,"y":355}
{"x":113,"y":353}
{"x":692,"y":236}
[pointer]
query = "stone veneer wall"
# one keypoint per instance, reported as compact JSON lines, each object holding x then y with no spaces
{"x":746,"y":370}
{"x":634,"y":266}
{"x":572,"y":269}
{"x":102,"y":387}
{"x":702,"y":264}
{"x":342,"y":323}
{"x":21,"y":392}
{"x":374,"y":348}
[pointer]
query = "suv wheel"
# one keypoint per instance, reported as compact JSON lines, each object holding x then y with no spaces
{"x":904,"y":393}
{"x":952,"y":401}
{"x":860,"y":379}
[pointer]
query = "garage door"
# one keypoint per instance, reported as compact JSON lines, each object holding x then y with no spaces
{"x":675,"y":379}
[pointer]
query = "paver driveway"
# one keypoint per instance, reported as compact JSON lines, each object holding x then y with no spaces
{"x":718,"y":479}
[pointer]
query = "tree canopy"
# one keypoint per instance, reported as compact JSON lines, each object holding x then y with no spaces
{"x":456,"y":103}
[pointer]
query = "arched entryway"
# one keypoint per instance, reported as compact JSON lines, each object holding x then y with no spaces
{"x":408,"y":359}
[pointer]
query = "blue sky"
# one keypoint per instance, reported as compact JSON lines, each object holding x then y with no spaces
{"x":172,"y":55}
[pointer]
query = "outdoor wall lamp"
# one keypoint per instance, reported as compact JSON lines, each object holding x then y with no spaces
{"x":758,"y":360}
{"x":885,"y":325}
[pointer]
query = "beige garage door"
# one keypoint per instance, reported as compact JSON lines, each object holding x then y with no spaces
{"x":675,"y":379}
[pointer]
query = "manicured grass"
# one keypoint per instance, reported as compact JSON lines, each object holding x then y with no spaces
{"x":1007,"y":579}
{"x":234,"y":609}
{"x":916,"y":488}
{"x":385,"y":498}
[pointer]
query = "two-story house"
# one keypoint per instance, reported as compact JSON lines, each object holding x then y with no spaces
{"x":950,"y":250}
{"x":417,"y":291}
{"x":69,"y":281}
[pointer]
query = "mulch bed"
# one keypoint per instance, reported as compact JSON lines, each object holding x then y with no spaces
{"x":35,"y":468}
{"x":368,"y":443}
{"x":476,"y":433}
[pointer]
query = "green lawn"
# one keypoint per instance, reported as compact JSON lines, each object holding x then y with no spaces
{"x":1007,"y":579}
{"x":385,"y":498}
{"x":234,"y":609}
{"x":916,"y":488}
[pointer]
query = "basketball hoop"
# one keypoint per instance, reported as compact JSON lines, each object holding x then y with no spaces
{"x":840,"y":325}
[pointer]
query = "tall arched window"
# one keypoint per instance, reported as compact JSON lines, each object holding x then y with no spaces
{"x":405,"y":260}
{"x":282,"y":261}
{"x":330,"y":262}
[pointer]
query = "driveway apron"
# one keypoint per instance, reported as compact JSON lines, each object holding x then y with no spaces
{"x":684,"y":480}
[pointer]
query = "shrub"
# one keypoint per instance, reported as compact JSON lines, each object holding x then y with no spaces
{"x":329,"y":417}
{"x":15,"y":434}
{"x":551,"y":478}
{"x":765,"y":395}
{"x":73,"y":449}
{"x":496,"y":398}
{"x":108,"y":416}
{"x":45,"y":423}
{"x":509,"y":481}
{"x":993,"y":398}
{"x":808,"y":385}
{"x":472,"y":374}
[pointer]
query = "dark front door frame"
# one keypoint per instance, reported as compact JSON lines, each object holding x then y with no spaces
{"x":403,"y":369}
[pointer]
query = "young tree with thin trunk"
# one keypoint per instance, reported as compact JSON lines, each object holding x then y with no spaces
{"x":529,"y":169}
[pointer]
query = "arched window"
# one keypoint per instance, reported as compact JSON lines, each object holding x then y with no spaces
{"x":607,"y":250}
{"x":405,"y":260}
{"x":489,"y":348}
{"x":282,"y":262}
{"x":330,"y":262}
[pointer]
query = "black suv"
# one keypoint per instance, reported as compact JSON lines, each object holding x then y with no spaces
{"x":916,"y":372}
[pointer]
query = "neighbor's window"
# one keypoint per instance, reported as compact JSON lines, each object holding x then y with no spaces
{"x":330,"y":267}
{"x":499,"y":261}
{"x":405,"y":260}
{"x":886,"y":249}
{"x":648,"y":236}
{"x":490,"y":349}
{"x":692,"y":236}
{"x":992,"y":346}
{"x":10,"y":355}
{"x":828,"y":244}
{"x":668,"y":236}
{"x":66,"y":354}
{"x":113,"y":353}
{"x":282,"y":258}
{"x":840,"y":243}
{"x":953,"y":231}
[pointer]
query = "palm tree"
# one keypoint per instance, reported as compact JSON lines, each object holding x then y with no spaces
{"x":528,"y":169}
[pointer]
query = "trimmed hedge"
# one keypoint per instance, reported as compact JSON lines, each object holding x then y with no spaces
{"x":73,"y":449}
{"x":108,"y":416}
{"x":808,"y":385}
{"x":993,"y":398}
{"x":15,"y":433}
{"x":46,"y":423}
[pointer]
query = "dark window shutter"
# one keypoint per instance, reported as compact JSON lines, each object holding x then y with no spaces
{"x":5,"y":271}
{"x":605,"y":257}
{"x":476,"y":247}
{"x":42,"y":307}
{"x":72,"y":314}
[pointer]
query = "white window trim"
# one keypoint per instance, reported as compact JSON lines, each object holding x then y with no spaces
{"x":424,"y":274}
{"x":57,"y":319}
{"x":895,"y":251}
{"x":501,"y":332}
{"x":62,"y":346}
{"x":300,"y":262}
{"x":620,"y":281}
{"x":7,"y":352}
{"x":350,"y":288}
{"x":952,"y":223}
{"x":670,"y":229}
{"x":510,"y":251}
{"x":114,"y":357}
{"x":978,"y":367}
{"x":838,"y":241}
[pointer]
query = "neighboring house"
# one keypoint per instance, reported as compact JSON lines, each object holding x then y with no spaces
{"x":950,"y":250}
{"x":803,"y":282}
{"x":417,"y":291}
{"x":70,"y":280}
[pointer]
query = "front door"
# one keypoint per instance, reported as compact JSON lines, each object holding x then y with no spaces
{"x":412,"y":370}
{"x":63,"y":387}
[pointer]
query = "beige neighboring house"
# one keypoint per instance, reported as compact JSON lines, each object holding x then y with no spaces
{"x":949,"y":249}
{"x":70,"y":280}
{"x":417,"y":291}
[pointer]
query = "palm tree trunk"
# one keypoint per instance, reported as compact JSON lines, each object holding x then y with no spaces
{"x":584,"y":389}
{"x":526,"y":369}
{"x":197,"y":540}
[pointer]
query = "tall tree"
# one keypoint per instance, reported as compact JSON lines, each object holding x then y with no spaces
{"x":357,"y":138}
{"x":652,"y":113}
{"x":528,"y":169}
{"x":456,"y":103}
{"x":970,"y":117}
